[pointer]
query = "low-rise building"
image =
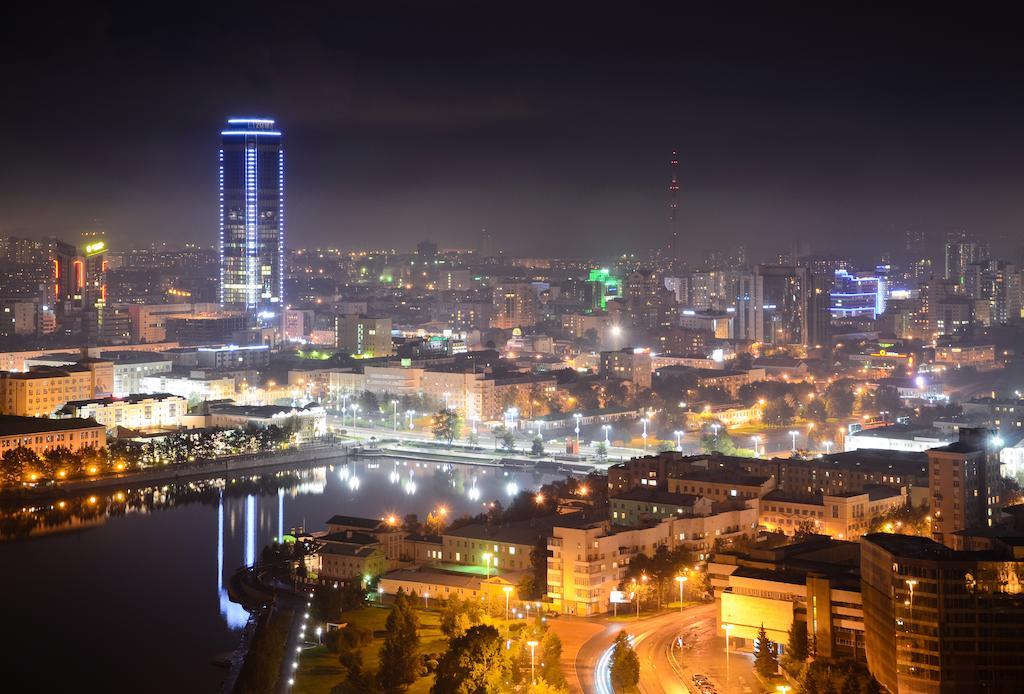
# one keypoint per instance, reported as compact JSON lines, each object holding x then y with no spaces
{"x":350,"y":555}
{"x":897,"y":437}
{"x":844,"y":516}
{"x":959,"y":355}
{"x":729,"y":415}
{"x":629,"y":364}
{"x":644,"y":504}
{"x":721,"y":484}
{"x":193,"y":388}
{"x":142,"y":412}
{"x":41,"y":434}
{"x":815,"y":581}
{"x":307,"y":422}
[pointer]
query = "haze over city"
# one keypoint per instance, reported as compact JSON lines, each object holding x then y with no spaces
{"x":543,"y":125}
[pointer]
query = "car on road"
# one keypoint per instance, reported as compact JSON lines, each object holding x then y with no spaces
{"x":700,"y":680}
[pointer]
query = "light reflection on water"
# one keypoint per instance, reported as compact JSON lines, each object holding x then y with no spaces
{"x":146,"y":556}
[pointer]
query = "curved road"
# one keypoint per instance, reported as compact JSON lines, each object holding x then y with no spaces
{"x":671,"y":648}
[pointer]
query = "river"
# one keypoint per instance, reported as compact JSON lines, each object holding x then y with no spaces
{"x":125,"y":591}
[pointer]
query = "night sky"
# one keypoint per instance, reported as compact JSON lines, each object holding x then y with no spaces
{"x":551,"y":128}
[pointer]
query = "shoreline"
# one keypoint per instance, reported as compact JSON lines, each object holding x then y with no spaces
{"x":319,"y":454}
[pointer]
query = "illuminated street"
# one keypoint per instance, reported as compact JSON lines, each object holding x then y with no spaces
{"x":665,"y":667}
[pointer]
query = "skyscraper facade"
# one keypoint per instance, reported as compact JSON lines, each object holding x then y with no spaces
{"x":252,"y":217}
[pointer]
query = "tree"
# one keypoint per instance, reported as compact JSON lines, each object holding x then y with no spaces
{"x":779,"y":411}
{"x":399,"y":654}
{"x":765,"y":661}
{"x":839,"y":399}
{"x":458,"y":615}
{"x":601,"y":450}
{"x":470,"y":662}
{"x":796,"y":650}
{"x":625,"y":667}
{"x":551,"y":660}
{"x":18,"y":464}
{"x":717,"y":440}
{"x":447,"y":426}
{"x":506,"y":437}
{"x":537,"y":447}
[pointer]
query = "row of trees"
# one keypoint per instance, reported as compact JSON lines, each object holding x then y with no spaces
{"x":20,"y":465}
{"x":653,"y":578}
{"x":476,"y":660}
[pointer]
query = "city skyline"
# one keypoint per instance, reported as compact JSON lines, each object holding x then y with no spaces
{"x":445,"y":132}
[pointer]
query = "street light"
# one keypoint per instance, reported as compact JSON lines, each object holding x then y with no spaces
{"x":679,"y":440}
{"x":794,"y":433}
{"x":508,"y":591}
{"x":728,"y":629}
{"x":533,"y":672}
{"x":682,"y":582}
{"x":783,"y":688}
{"x":645,"y":420}
{"x":426,"y":601}
{"x":756,"y":440}
{"x":714,"y":428}
{"x":828,"y":446}
{"x":487,"y":563}
{"x":446,"y":394}
{"x":394,"y":404}
{"x":577,"y":416}
{"x":410,"y":414}
{"x":607,"y":428}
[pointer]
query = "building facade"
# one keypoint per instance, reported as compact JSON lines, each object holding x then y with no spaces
{"x":252,"y":216}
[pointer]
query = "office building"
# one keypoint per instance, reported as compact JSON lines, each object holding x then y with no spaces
{"x":252,"y":217}
{"x":43,"y":390}
{"x":939,"y":620}
{"x":814,"y":580}
{"x":782,"y":305}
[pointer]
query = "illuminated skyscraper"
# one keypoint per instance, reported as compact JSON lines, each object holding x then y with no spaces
{"x":252,"y":217}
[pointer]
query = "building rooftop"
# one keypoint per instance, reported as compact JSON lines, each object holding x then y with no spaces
{"x":128,"y":399}
{"x":723,"y":476}
{"x":348,"y":549}
{"x":442,"y":578}
{"x":132,"y":357}
{"x":526,"y":532}
{"x":655,"y":495}
{"x":11,"y":425}
{"x":350,"y":537}
{"x":355,"y":522}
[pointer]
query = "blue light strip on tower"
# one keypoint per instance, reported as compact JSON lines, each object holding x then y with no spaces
{"x":251,"y":132}
{"x":220,"y":167}
{"x":251,"y":226}
{"x":280,"y":225}
{"x":234,"y":121}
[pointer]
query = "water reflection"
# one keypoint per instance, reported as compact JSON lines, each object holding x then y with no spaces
{"x":246,"y":504}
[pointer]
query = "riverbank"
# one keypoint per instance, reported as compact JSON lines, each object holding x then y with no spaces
{"x":262,"y":462}
{"x":482,"y":458}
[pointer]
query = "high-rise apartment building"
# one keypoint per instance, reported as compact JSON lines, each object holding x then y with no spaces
{"x":515,"y":305}
{"x":960,"y":251}
{"x":252,"y":217}
{"x":965,"y":485}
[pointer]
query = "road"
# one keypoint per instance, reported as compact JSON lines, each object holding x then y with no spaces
{"x":665,"y":665}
